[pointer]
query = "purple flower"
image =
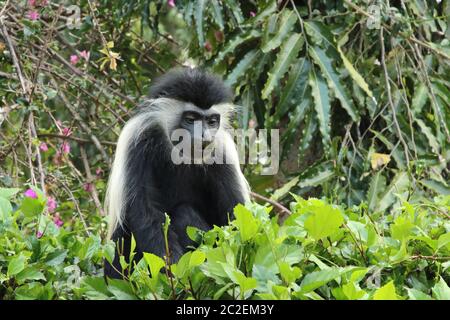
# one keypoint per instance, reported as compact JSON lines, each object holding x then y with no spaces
{"x":33,"y":15}
{"x":39,"y":234}
{"x":43,"y":146}
{"x":51,"y":204}
{"x":57,"y":221}
{"x":171,"y":3}
{"x":30,"y":193}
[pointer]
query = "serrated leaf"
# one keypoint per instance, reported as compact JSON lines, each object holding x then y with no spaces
{"x":285,"y":57}
{"x":316,"y":175}
{"x":398,"y":184}
{"x":287,"y":22}
{"x":325,"y":64}
{"x":432,"y":140}
{"x":377,"y":185}
{"x":284,"y":190}
{"x":217,"y":13}
{"x":247,"y":62}
{"x":321,"y":104}
{"x":198,"y":16}
{"x":294,"y":90}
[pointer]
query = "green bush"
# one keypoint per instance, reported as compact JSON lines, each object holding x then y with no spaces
{"x":320,"y":251}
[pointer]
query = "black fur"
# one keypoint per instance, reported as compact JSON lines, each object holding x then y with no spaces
{"x":191,"y":85}
{"x":192,"y":195}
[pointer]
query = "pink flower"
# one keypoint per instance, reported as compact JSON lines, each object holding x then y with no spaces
{"x":33,"y":15}
{"x":85,"y":55}
{"x":31,"y":3}
{"x":67,"y":131}
{"x":51,"y":204}
{"x":39,"y":234}
{"x":99,"y":172}
{"x":171,"y":3}
{"x":57,"y":221}
{"x":252,"y":13}
{"x":88,"y":187}
{"x":44,"y":3}
{"x":65,"y":147}
{"x":30,"y":193}
{"x":74,"y":59}
{"x":43,"y":146}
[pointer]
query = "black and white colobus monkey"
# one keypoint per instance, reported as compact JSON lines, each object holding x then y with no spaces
{"x":145,"y":183}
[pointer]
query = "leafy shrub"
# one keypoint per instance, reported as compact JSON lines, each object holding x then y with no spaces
{"x":321,"y":251}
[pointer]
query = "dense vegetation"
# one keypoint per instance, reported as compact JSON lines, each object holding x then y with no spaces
{"x":359,"y":90}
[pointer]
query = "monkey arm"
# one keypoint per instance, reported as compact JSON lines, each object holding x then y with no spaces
{"x":184,"y":216}
{"x":227,"y":192}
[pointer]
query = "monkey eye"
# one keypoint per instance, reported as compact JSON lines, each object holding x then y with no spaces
{"x":213,"y":121}
{"x":190,"y":119}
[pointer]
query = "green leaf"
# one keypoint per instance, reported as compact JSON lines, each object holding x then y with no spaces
{"x":30,"y":273}
{"x":294,"y":91}
{"x":154,"y":262}
{"x":198,"y":15}
{"x":399,"y":184}
{"x":377,"y":185}
{"x":16,"y":265}
{"x":246,"y":283}
{"x":197,"y":258}
{"x":285,"y":57}
{"x":444,"y":241}
{"x":386,"y":292}
{"x":316,"y":175}
{"x":284,"y":190}
{"x":321,"y":104}
{"x":31,"y":207}
{"x":245,"y":222}
{"x":289,"y":274}
{"x":441,"y":291}
{"x":414,"y":294}
{"x":5,"y":209}
{"x":8,"y":193}
{"x":241,"y":68}
{"x":236,"y":42}
{"x":121,"y":289}
{"x":217,"y":13}
{"x":287,"y":22}
{"x":334,"y":82}
{"x":323,"y":221}
{"x":317,"y":279}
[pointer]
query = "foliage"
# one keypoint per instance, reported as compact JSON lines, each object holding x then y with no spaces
{"x":321,"y":251}
{"x":358,"y":89}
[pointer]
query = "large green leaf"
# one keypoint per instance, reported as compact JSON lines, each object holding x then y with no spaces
{"x":325,"y":63}
{"x":286,"y":24}
{"x":241,"y":68}
{"x":321,"y":104}
{"x":285,"y":57}
{"x":199,"y":19}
